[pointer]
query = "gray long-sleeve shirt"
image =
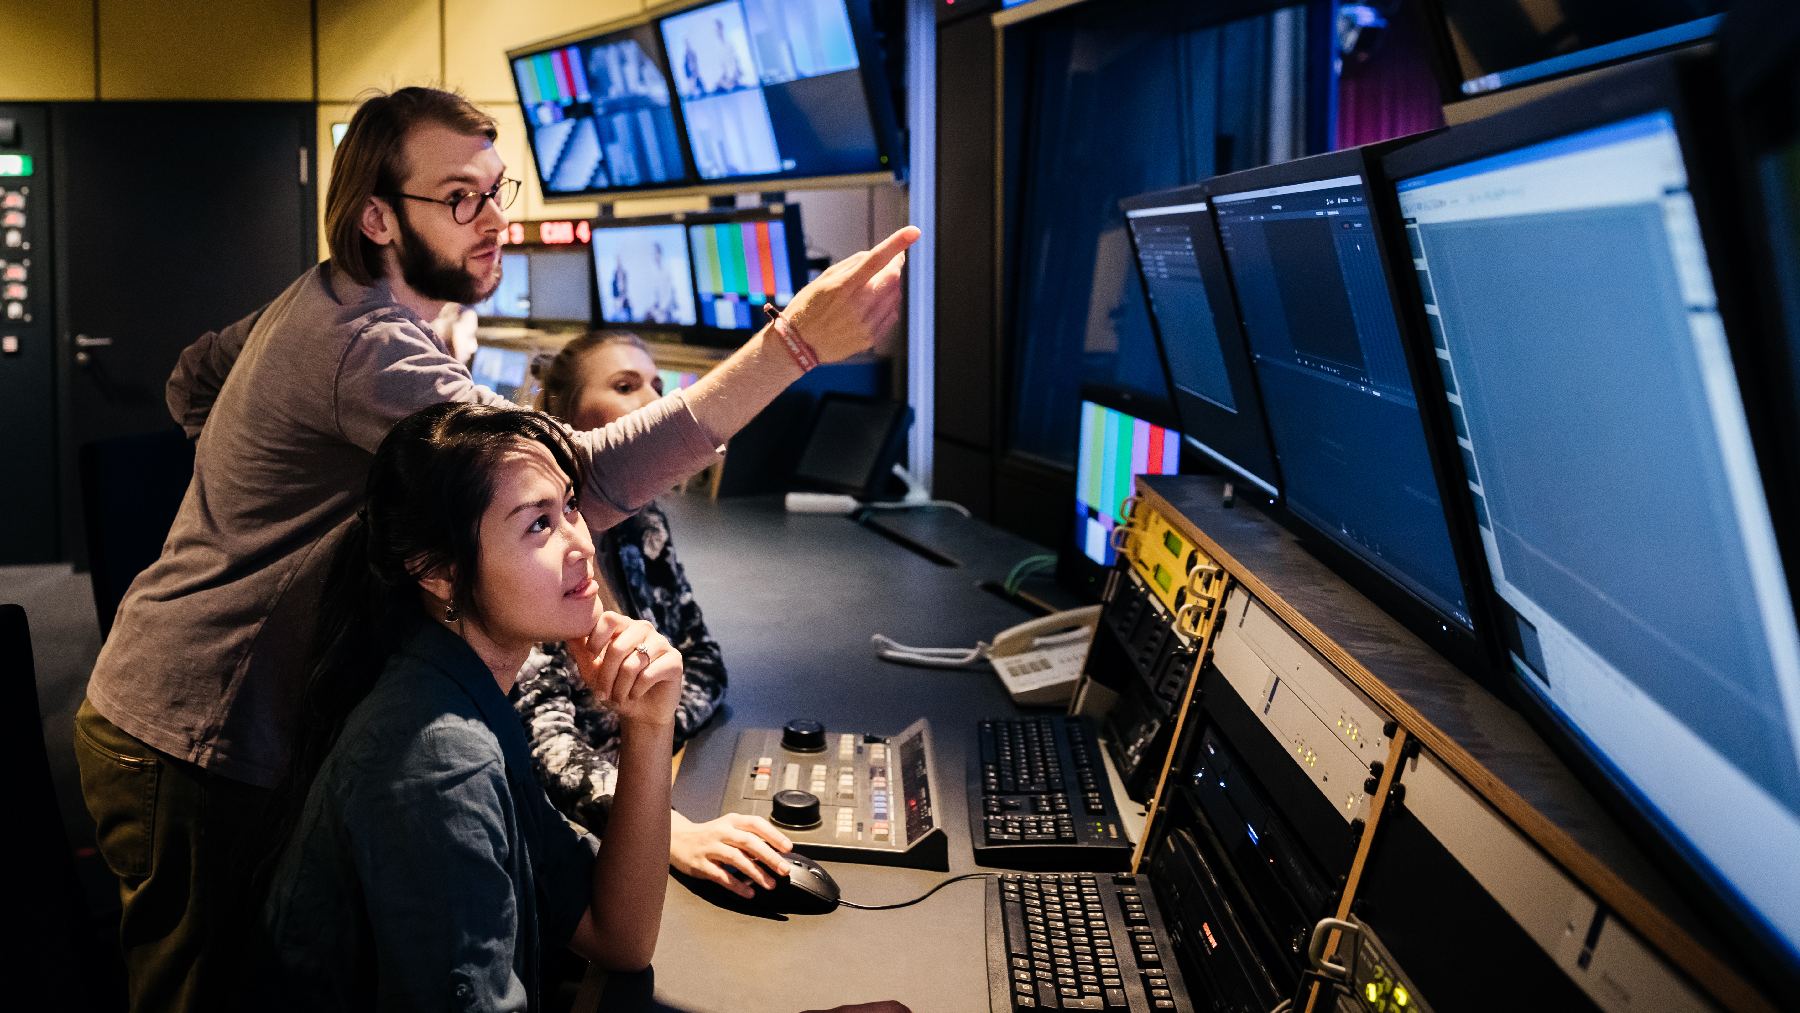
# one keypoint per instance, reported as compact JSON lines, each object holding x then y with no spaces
{"x":206,"y":656}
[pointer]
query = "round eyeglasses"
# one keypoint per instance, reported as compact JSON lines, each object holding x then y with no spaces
{"x":465,"y":205}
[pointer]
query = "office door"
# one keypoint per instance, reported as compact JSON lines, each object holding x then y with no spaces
{"x":173,"y":219}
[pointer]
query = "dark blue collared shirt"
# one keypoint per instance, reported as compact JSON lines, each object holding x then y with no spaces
{"x":428,"y":868}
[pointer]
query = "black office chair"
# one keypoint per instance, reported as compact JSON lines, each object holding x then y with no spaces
{"x":59,"y":955}
{"x":131,"y":489}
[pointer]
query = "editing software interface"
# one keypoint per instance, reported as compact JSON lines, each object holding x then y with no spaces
{"x":643,"y":274}
{"x":601,"y":114}
{"x":1335,"y":385}
{"x":1114,"y":448}
{"x":1216,"y":398}
{"x":771,"y":86}
{"x":740,"y":267}
{"x":1618,"y":494}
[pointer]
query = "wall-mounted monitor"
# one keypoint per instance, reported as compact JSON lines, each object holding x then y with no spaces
{"x":779,"y":89}
{"x":643,"y":273}
{"x":1572,"y":256}
{"x":743,"y":261}
{"x":601,"y":114}
{"x":1492,"y":45}
{"x":1195,"y":319}
{"x":1310,"y":274}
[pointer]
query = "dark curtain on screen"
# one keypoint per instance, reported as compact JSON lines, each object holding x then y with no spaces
{"x":1390,"y":91}
{"x":1109,"y":113}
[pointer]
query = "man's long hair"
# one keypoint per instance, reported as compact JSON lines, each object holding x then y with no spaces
{"x":371,"y":162}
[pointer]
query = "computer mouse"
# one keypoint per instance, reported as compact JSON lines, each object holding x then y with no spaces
{"x":808,"y":888}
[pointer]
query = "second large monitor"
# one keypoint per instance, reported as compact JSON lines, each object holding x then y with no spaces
{"x":1196,"y":325}
{"x":1312,"y":288}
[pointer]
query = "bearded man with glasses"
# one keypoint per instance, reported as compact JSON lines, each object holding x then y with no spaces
{"x":192,"y":703}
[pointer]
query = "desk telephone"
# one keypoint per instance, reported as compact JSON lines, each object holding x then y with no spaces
{"x":1039,"y":662}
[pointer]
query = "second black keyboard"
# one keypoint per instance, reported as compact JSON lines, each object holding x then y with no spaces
{"x":1045,"y":801}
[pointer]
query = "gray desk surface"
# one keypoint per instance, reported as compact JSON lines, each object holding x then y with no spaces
{"x":793,"y":601}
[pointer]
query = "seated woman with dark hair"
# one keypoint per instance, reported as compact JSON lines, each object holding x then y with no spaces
{"x":595,"y":380}
{"x":417,"y":863}
{"x":414,"y":862}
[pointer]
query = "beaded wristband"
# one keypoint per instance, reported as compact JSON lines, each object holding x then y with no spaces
{"x":796,"y":345}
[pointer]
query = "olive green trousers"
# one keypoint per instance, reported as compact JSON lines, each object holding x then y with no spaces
{"x":172,"y":832}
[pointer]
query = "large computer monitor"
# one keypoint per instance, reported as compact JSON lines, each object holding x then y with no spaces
{"x":1571,"y":258}
{"x":779,"y":88}
{"x":1312,"y":285}
{"x":643,"y":273}
{"x":601,"y":115}
{"x":1492,"y":45}
{"x":1195,"y":320}
{"x":744,"y":260}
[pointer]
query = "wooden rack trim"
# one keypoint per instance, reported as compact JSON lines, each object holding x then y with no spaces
{"x":1699,"y":963}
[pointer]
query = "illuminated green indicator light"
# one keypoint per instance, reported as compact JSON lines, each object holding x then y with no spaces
{"x":15,"y":165}
{"x":1163,"y":577}
{"x":1172,"y":543}
{"x":1399,"y":996}
{"x":1373,"y":993}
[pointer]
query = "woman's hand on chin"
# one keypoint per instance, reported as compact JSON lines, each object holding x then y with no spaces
{"x":641,"y":686}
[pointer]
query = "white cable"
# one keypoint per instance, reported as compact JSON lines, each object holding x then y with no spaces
{"x":929,"y":657}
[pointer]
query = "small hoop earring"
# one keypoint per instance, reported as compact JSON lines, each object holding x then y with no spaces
{"x":450,"y":614}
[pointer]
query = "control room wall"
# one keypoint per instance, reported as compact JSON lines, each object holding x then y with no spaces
{"x":323,"y":51}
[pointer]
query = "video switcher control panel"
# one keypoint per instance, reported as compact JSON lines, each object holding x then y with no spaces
{"x":843,"y":796}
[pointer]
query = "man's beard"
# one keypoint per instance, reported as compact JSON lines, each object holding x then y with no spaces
{"x":435,"y":277}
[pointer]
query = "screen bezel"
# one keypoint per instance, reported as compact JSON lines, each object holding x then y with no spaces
{"x":789,"y":215}
{"x":690,"y":176}
{"x":1683,"y":83}
{"x":1459,"y":641}
{"x":876,"y":101}
{"x":600,"y":323}
{"x":1197,"y":415}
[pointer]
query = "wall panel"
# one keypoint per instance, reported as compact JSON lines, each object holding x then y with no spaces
{"x":49,"y":50}
{"x":206,"y":49}
{"x":384,"y":44}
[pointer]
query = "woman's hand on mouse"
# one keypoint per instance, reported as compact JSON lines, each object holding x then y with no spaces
{"x":641,"y":686}
{"x":748,"y":845}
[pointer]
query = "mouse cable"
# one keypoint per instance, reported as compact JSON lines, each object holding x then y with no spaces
{"x":915,"y":900}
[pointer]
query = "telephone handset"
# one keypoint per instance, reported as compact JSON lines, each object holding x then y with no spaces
{"x":1039,"y":662}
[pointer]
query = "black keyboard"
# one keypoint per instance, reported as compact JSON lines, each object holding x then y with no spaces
{"x":1080,"y":941}
{"x":1045,"y":800}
